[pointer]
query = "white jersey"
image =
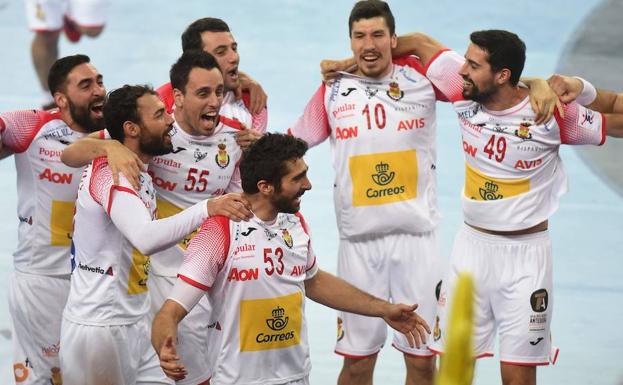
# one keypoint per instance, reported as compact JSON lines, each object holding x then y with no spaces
{"x":46,"y":189}
{"x":382,"y":135}
{"x":199,"y":167}
{"x":514,"y":176}
{"x":115,"y":230}
{"x":254,"y":274}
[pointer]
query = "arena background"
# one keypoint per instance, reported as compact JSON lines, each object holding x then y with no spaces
{"x":281,"y":43}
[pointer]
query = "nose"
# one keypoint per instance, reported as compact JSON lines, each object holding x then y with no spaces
{"x":463,"y":69}
{"x":307,"y":184}
{"x":233,"y":57}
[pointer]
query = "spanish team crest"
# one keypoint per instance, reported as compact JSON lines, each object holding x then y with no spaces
{"x":437,"y":330}
{"x":340,"y":329}
{"x":222,"y":157}
{"x":524,"y":131}
{"x":287,"y":238}
{"x":394,"y":91}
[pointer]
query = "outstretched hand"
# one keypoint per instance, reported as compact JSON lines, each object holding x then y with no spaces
{"x":169,"y":360}
{"x":329,"y":69}
{"x":404,"y":319}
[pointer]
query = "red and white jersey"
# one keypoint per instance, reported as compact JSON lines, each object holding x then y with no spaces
{"x":114,"y":231}
{"x":46,"y":189}
{"x":231,"y":108}
{"x":199,"y":167}
{"x":514,"y":176}
{"x":254,"y":273}
{"x":383,"y":140}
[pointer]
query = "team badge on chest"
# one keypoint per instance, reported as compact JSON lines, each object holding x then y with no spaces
{"x":287,"y":238}
{"x":222,"y":157}
{"x":394,"y":91}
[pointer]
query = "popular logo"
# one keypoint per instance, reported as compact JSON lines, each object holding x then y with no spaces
{"x":222,"y":157}
{"x":340,"y":328}
{"x":490,"y":192}
{"x":382,"y":177}
{"x":539,"y":300}
{"x":199,"y":156}
{"x":278,"y":322}
{"x":436,"y":330}
{"x":287,"y":238}
{"x":394,"y":91}
{"x":524,"y":131}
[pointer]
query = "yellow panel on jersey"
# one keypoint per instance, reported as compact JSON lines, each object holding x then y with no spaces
{"x":61,"y":223}
{"x":271,"y":323}
{"x":167,"y":209}
{"x":383,"y":178}
{"x":457,"y":365}
{"x":481,"y":187}
{"x":139,"y":272}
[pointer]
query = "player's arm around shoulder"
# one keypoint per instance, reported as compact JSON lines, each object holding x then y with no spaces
{"x":336,"y":293}
{"x":419,"y":44}
{"x":120,"y":158}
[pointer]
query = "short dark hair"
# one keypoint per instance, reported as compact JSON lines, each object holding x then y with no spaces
{"x":367,"y":9}
{"x":57,"y":77}
{"x":190,"y":59}
{"x":505,"y":49}
{"x":122,"y":106}
{"x":266,"y":160}
{"x":191,"y":38}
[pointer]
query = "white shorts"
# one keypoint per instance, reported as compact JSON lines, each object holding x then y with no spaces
{"x":192,"y":332}
{"x":403,"y":268}
{"x":513,"y":282}
{"x":109,"y":355}
{"x":47,"y":15}
{"x":36,"y":305}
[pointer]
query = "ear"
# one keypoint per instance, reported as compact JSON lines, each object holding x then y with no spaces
{"x":131,"y":129}
{"x":503,"y":76}
{"x":61,"y":100}
{"x":394,"y":41}
{"x":265,"y":188}
{"x":178,"y":98}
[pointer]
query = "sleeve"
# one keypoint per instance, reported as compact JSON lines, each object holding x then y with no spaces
{"x":18,"y":128}
{"x":581,"y":125}
{"x":235,"y":183}
{"x":206,"y":253}
{"x":185,"y":294}
{"x":443,"y":72}
{"x":312,"y":267}
{"x":132,"y":218}
{"x":165,"y":92}
{"x":313,"y":126}
{"x":259,"y":121}
{"x":415,"y":63}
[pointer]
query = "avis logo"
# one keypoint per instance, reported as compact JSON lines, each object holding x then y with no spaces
{"x":490,"y":192}
{"x":278,"y":322}
{"x":382,"y":176}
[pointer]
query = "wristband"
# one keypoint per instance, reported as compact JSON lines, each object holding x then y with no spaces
{"x":588,"y":94}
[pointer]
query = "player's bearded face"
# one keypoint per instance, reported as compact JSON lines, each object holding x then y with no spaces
{"x":287,"y":196}
{"x":224,"y":48}
{"x":480,"y":94}
{"x":155,"y":143}
{"x":155,"y":126}
{"x":372,"y":43}
{"x":478,"y":78}
{"x":88,"y":116}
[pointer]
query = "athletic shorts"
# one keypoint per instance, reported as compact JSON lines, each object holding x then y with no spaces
{"x":109,"y":355}
{"x":513,"y":283}
{"x":47,"y":15}
{"x":192,"y":332}
{"x":403,"y":268}
{"x":36,"y":305}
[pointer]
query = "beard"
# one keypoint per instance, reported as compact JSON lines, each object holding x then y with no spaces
{"x":285,"y":204}
{"x":154,"y":145}
{"x":82,"y":116}
{"x":476,"y":94}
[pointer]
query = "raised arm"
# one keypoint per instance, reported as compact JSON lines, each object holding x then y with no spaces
{"x":257,"y":96}
{"x":336,"y":293}
{"x":313,"y":126}
{"x":420,"y":45}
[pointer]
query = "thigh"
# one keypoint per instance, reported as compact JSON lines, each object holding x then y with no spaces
{"x":36,"y":304}
{"x":414,"y":276}
{"x":45,"y":15}
{"x":363,"y":265}
{"x":89,"y":13}
{"x":523,"y":303}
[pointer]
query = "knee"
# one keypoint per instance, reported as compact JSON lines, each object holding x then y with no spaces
{"x":359,"y":371}
{"x":420,"y":367}
{"x":48,"y":38}
{"x":91,"y":31}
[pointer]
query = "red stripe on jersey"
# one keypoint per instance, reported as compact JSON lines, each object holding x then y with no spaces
{"x":233,"y":123}
{"x":100,"y":180}
{"x":410,"y":61}
{"x":246,"y":99}
{"x":118,"y":188}
{"x":573,"y":127}
{"x":21,"y":127}
{"x":524,"y":363}
{"x":603,"y":129}
{"x":101,"y":134}
{"x":194,"y":283}
{"x":435,"y":56}
{"x":410,"y":354}
{"x":303,"y":223}
{"x":165,"y":92}
{"x":355,"y":357}
{"x":312,"y":265}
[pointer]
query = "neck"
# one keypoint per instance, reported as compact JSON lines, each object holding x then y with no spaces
{"x":506,"y":97}
{"x":261,"y":207}
{"x":386,"y":72}
{"x":66,"y":117}
{"x":134,"y":146}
